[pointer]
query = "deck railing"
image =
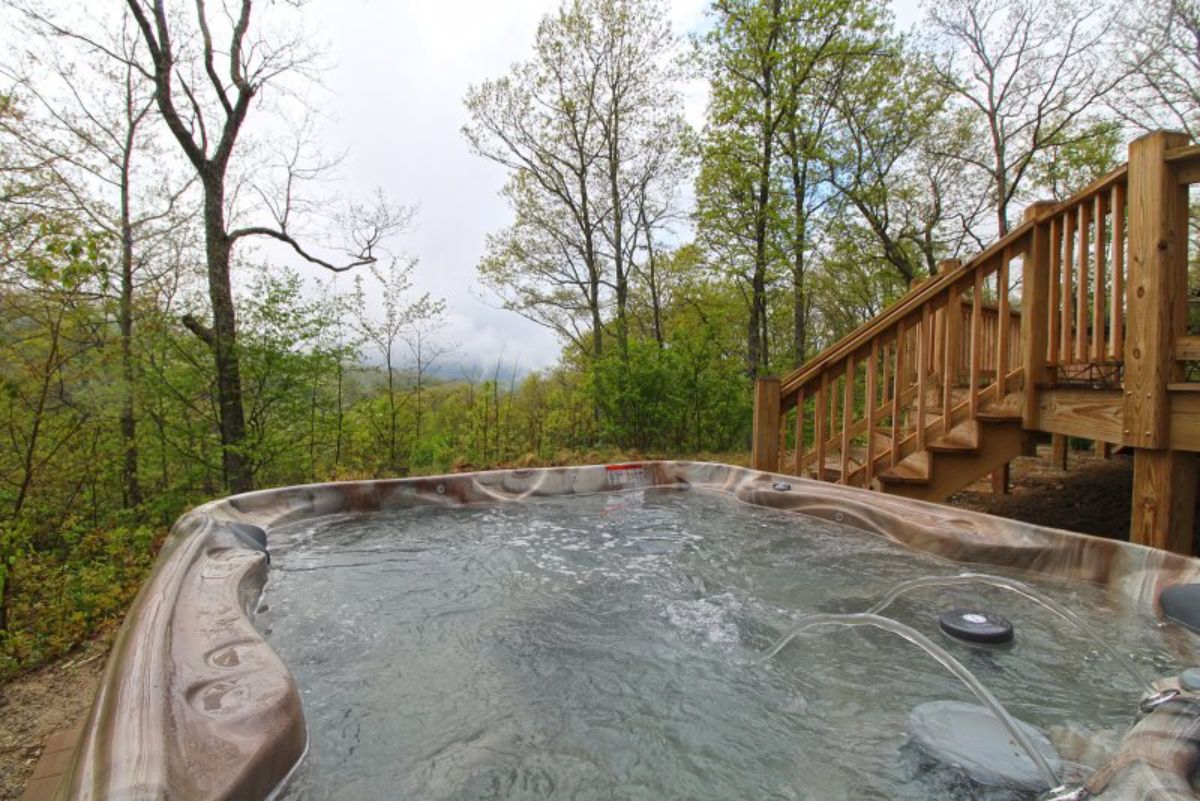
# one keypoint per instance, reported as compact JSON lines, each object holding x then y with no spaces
{"x":1047,"y":302}
{"x":905,"y":377}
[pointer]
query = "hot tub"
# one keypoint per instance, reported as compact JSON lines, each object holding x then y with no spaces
{"x":600,"y":632}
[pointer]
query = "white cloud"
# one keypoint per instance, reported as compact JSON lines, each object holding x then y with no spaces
{"x":395,"y":96}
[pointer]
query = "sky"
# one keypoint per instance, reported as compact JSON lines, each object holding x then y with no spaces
{"x":393,"y":103}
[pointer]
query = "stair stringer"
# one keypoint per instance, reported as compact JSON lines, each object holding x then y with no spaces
{"x":949,"y":472}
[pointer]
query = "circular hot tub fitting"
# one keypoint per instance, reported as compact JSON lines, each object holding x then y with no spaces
{"x":973,"y":625}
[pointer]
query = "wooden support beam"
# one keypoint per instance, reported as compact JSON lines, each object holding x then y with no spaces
{"x":847,"y":418}
{"x":1104,"y":450}
{"x":898,"y":393}
{"x":799,"y":465}
{"x":1156,"y":288}
{"x":821,"y":425}
{"x":764,"y":452}
{"x":1058,"y":451}
{"x":1003,"y":324}
{"x":951,"y":336}
{"x":976,"y":343}
{"x":1000,"y":479}
{"x":1100,"y":245}
{"x":1055,"y":315}
{"x":1164,"y":500}
{"x":1081,"y":284}
{"x":872,"y":400}
{"x":1066,"y":318}
{"x":1164,"y":480}
{"x":922,"y":374}
{"x":1117,"y":330}
{"x":1036,"y":281}
{"x":1081,"y":412}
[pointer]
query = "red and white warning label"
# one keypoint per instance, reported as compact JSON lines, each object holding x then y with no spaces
{"x":625,"y":475}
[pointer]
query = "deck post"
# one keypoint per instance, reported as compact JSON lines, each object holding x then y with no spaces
{"x":1035,"y":323}
{"x":1164,"y":481}
{"x":764,"y":452}
{"x":1164,"y":499}
{"x":1000,"y":481}
{"x":1058,"y":451}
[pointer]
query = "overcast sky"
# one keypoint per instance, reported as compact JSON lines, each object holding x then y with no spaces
{"x":399,"y":72}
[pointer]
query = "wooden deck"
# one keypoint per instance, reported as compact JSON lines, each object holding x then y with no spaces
{"x":51,"y":765}
{"x":1073,"y":324}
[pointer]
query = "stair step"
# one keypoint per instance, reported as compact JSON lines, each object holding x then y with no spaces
{"x":998,"y":416}
{"x":945,"y":445}
{"x":964,"y":437}
{"x":913,"y":470}
{"x":903,"y":475}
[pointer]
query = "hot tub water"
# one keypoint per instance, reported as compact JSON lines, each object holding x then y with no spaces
{"x":608,"y":646}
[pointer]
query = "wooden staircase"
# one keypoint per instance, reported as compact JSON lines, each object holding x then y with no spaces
{"x":1074,"y":323}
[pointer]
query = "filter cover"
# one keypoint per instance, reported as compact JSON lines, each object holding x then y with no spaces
{"x":974,"y":625}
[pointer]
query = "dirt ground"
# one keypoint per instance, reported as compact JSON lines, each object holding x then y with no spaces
{"x":40,"y":703}
{"x":1093,"y":496}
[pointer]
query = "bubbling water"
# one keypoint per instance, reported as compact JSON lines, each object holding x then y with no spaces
{"x":607,"y":646}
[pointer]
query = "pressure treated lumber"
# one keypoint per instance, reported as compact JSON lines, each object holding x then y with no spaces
{"x":1036,"y":281}
{"x":1156,"y":287}
{"x":1164,"y":499}
{"x":764,"y":453}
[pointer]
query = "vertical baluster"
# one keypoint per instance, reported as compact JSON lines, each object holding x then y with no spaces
{"x":1055,"y":287}
{"x":781,"y":452}
{"x":1116,"y":333}
{"x":952,"y":349}
{"x":1003,"y":324}
{"x":886,"y":381}
{"x":822,"y":421}
{"x":872,"y":366}
{"x":834,"y":381}
{"x":898,"y":392}
{"x":1068,"y":293}
{"x":976,"y":342}
{"x":1081,"y":285}
{"x":847,"y":418}
{"x":922,"y":375}
{"x":799,"y":457}
{"x":1099,"y":246}
{"x":927,"y":341}
{"x":937,"y":341}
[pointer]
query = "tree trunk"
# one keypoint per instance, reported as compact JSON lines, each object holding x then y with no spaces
{"x":618,"y":218}
{"x":655,"y":301}
{"x":236,"y":466}
{"x":28,"y":460}
{"x":799,"y":247}
{"x":129,"y":464}
{"x":758,"y":284}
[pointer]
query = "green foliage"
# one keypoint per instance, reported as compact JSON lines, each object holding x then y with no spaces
{"x":60,"y":596}
{"x":835,"y":167}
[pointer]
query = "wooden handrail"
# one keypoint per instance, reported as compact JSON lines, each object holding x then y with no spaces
{"x":1103,"y":276}
{"x":912,"y":303}
{"x":909,"y":304}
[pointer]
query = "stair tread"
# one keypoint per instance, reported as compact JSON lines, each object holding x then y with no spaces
{"x":904,"y":474}
{"x":998,"y":416}
{"x":963,"y":437}
{"x":945,"y":445}
{"x":911,"y":470}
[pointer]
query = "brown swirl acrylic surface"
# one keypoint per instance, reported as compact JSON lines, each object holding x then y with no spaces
{"x":195,"y":704}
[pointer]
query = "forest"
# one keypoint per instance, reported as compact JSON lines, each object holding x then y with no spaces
{"x":160,"y":193}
